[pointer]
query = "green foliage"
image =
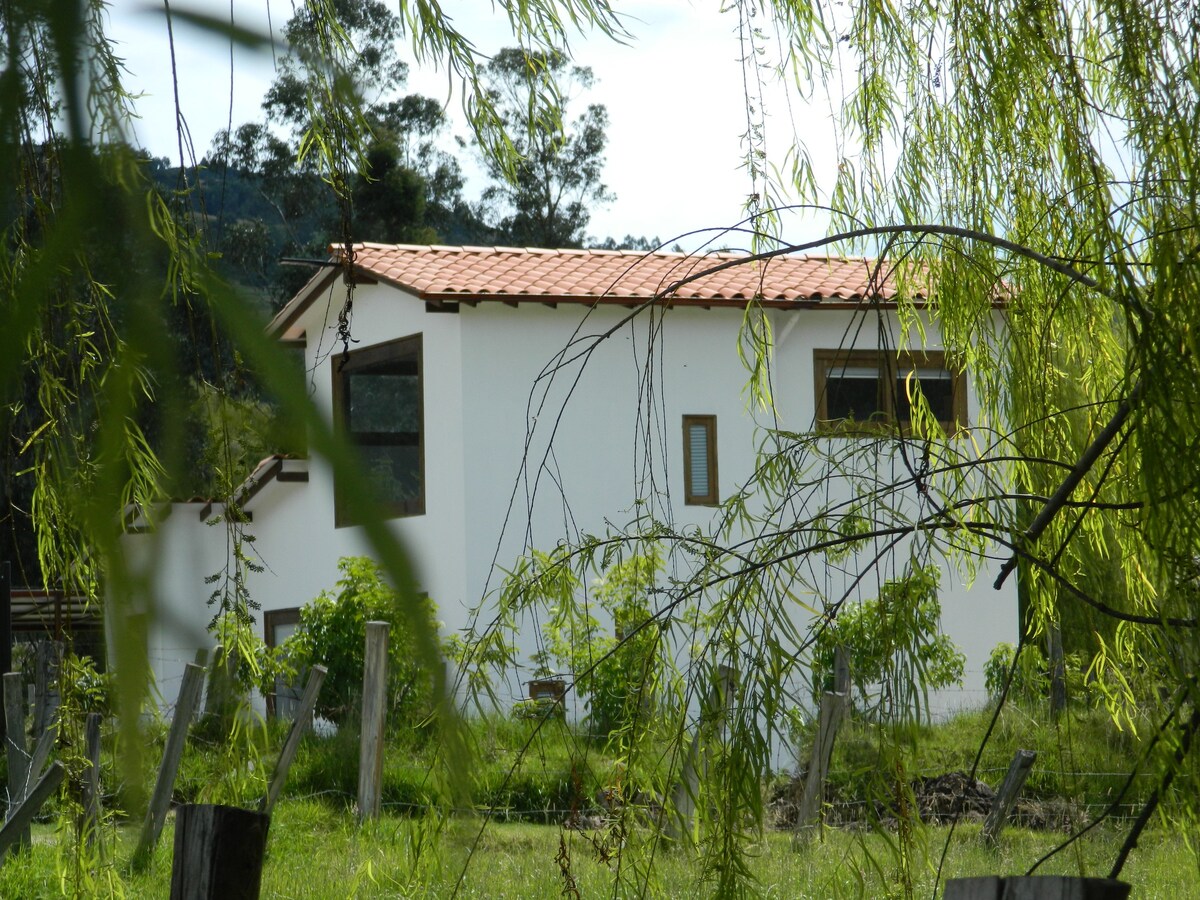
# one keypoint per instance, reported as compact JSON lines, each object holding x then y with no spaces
{"x":1030,"y":684}
{"x":619,"y":672}
{"x":332,"y":633}
{"x":232,"y":435}
{"x":894,"y":641}
{"x":544,"y":200}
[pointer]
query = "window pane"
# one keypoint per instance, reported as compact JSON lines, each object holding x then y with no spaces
{"x":395,"y":472}
{"x":937,"y":386}
{"x":852,"y":392}
{"x":698,"y":453}
{"x":384,"y":404}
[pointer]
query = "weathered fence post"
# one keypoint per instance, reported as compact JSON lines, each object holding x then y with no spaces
{"x":16,"y":751}
{"x":222,"y":701}
{"x":1018,"y":770}
{"x":683,"y":797}
{"x":374,"y":699}
{"x":1058,"y":671}
{"x":1035,"y":887}
{"x":829,"y":719}
{"x":16,"y":829}
{"x":841,"y":671}
{"x":219,"y":853}
{"x":91,"y":784}
{"x":48,"y":661}
{"x":41,"y":753}
{"x":156,"y":813}
{"x":316,"y":677}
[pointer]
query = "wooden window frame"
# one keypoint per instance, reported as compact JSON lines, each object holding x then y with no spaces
{"x":890,"y":366}
{"x":709,"y":422}
{"x":368,"y":356}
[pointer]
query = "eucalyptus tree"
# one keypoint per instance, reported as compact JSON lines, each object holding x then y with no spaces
{"x":543,"y":199}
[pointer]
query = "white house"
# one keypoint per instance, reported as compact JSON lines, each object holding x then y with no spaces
{"x":508,"y":398}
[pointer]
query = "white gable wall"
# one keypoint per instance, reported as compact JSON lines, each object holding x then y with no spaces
{"x":621,"y":424}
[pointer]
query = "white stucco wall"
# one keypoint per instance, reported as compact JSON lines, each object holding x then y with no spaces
{"x":616,"y":423}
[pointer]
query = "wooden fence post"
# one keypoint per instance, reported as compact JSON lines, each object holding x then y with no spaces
{"x":41,"y":753}
{"x":841,"y":671}
{"x":374,"y":702}
{"x":1058,"y":671}
{"x":829,"y":719}
{"x":45,"y":685}
{"x":223,"y":693}
{"x":300,"y":724}
{"x":91,"y":784}
{"x":1018,"y":770}
{"x":6,"y":636}
{"x":687,"y":789}
{"x":219,"y":853}
{"x":16,"y":749}
{"x":17,"y":826}
{"x":156,"y":813}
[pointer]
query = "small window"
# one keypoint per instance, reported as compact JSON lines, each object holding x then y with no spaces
{"x":700,"y":460}
{"x":864,"y":390}
{"x":378,"y":401}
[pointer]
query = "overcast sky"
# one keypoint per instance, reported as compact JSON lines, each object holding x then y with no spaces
{"x":674,"y":95}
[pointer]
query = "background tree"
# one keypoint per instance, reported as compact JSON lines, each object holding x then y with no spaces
{"x":544,"y":198}
{"x":397,"y":177}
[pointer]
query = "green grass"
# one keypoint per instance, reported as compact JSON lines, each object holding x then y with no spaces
{"x":517,"y":771}
{"x":1083,"y":758}
{"x":525,"y":778}
{"x":318,"y":852}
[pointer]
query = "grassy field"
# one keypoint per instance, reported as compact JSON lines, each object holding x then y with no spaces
{"x":316,"y":849}
{"x":318,"y":852}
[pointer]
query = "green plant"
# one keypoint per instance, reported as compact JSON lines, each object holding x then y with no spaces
{"x":1031,"y":677}
{"x":619,"y":672}
{"x":332,"y":633}
{"x":893,"y":641}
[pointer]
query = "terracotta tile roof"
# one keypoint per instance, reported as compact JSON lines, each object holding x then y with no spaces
{"x":511,"y":275}
{"x":506,"y":273}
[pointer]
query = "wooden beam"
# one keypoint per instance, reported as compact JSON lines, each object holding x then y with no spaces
{"x":374,"y":697}
{"x":833,"y":709}
{"x":18,"y":823}
{"x":300,"y":724}
{"x":1006,"y":797}
{"x":16,"y":748}
{"x":156,"y":814}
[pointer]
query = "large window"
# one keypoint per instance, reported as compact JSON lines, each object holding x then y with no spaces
{"x":864,"y":390}
{"x":378,"y":402}
{"x":700,"y":460}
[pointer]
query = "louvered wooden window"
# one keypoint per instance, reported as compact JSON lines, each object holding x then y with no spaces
{"x":700,"y":460}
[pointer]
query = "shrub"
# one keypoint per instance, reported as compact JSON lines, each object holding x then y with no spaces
{"x":893,"y":639}
{"x":332,"y":633}
{"x":618,"y":672}
{"x":1031,"y":679}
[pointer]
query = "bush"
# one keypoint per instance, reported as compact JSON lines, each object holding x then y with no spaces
{"x":619,"y":673}
{"x":893,"y":639}
{"x":1031,"y":679}
{"x":332,"y":633}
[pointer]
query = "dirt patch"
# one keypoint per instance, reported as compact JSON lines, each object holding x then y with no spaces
{"x":940,"y":800}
